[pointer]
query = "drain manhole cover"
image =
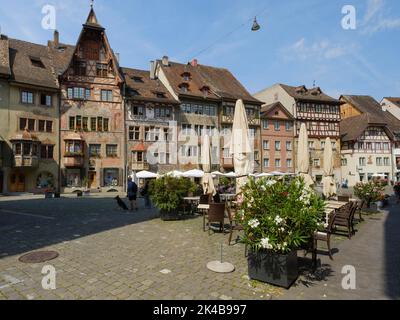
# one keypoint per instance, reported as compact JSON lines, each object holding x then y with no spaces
{"x":38,"y":256}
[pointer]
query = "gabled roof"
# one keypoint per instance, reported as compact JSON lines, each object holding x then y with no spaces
{"x":266,"y":109}
{"x":92,"y":23}
{"x":371,"y":114}
{"x":303,"y":94}
{"x":368,"y":105}
{"x":146,"y":90}
{"x":223,"y":85}
{"x":31,"y":64}
{"x":394,"y":100}
{"x":352,"y":128}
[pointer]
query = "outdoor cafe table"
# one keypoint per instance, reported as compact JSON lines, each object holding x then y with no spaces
{"x":335,"y":204}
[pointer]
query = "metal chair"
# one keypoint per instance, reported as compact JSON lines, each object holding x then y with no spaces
{"x":324,"y":236}
{"x":234,"y":226}
{"x":216,"y":214}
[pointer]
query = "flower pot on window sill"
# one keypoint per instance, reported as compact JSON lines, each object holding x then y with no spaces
{"x":273,"y":268}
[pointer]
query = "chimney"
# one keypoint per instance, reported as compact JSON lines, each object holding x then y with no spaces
{"x":165,"y":61}
{"x":117,"y":56}
{"x":152,"y":70}
{"x":56,"y":39}
{"x":194,"y":63}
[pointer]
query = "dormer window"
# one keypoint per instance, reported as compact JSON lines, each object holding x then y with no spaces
{"x":133,"y":92}
{"x":160,"y":95}
{"x":186,"y":76}
{"x":301,"y":89}
{"x":137,"y":79}
{"x":36,"y":62}
{"x":184,"y":87}
{"x":205,"y":90}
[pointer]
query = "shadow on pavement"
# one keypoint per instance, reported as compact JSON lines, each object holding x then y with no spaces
{"x":28,"y":225}
{"x":392,"y":251}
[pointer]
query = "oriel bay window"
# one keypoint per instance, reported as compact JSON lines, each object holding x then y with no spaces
{"x":73,"y":148}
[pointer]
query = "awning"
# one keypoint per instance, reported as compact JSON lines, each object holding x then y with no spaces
{"x":146,"y":175}
{"x":139,"y":148}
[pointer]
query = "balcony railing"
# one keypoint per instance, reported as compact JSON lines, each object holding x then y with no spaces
{"x":74,"y":162}
{"x":140,"y":166}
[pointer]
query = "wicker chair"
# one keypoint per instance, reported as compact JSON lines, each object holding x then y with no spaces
{"x":216,"y":214}
{"x":343,"y":198}
{"x":325,"y":236}
{"x":234,"y":226}
{"x":204,"y":199}
{"x":345,"y":218}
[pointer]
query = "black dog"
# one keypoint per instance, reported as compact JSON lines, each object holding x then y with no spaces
{"x":121,"y":204}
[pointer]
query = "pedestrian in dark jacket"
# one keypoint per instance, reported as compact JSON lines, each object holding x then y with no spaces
{"x":146,"y":195}
{"x":132,"y":194}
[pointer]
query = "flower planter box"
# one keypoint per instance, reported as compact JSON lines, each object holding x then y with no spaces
{"x":277,"y":269}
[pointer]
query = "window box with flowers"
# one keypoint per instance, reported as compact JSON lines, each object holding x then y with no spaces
{"x":279,"y":217}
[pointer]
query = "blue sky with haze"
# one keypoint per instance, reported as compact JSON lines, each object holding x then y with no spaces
{"x":299,"y":42}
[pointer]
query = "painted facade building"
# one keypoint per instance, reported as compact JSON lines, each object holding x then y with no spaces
{"x":29,"y":111}
{"x":207,"y":97}
{"x":320,"y":113}
{"x":151,"y":130}
{"x":277,"y":139}
{"x":91,"y":112}
{"x":368,"y":140}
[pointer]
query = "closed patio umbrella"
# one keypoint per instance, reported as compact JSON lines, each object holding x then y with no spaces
{"x":207,"y":181}
{"x":328,"y":181}
{"x":240,"y":146}
{"x":303,"y":156}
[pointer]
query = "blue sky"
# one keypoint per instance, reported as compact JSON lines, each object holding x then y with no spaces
{"x":300,"y":41}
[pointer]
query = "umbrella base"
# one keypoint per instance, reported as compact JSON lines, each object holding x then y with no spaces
{"x":220,"y":267}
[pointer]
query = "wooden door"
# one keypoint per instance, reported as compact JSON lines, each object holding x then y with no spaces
{"x":92,"y":180}
{"x":17,"y":182}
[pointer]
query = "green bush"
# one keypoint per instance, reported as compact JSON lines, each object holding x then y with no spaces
{"x":279,"y":215}
{"x":167,"y":193}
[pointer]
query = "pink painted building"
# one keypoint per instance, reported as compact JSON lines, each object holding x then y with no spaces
{"x":277,"y":139}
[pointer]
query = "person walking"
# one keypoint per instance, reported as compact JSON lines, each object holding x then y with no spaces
{"x":146,"y":195}
{"x":132,"y":194}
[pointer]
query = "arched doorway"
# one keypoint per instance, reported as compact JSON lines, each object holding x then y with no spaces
{"x":45,"y":181}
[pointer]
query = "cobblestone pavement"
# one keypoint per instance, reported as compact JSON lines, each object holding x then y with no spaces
{"x":106,"y":253}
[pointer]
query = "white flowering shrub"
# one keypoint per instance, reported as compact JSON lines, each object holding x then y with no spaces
{"x":279,"y":215}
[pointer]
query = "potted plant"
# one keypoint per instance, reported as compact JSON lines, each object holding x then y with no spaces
{"x":278,"y":217}
{"x":369,"y":191}
{"x":167,"y":194}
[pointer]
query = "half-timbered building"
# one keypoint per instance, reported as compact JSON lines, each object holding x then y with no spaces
{"x":150,"y":113}
{"x":207,"y":97}
{"x":368,"y":140}
{"x":320,"y":113}
{"x":92,"y":116}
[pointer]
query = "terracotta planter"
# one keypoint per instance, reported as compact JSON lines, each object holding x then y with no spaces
{"x":277,"y":269}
